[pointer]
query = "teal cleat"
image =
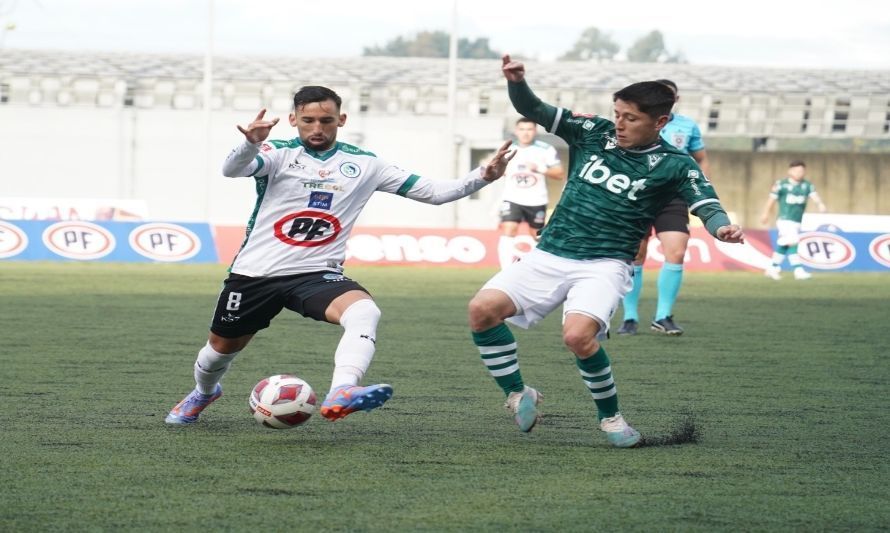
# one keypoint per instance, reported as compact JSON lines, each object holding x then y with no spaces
{"x":524,"y":406}
{"x":619,"y":433}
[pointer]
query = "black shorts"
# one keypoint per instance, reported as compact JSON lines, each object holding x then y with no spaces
{"x":674,"y":217}
{"x":247,"y":305}
{"x":534,"y":215}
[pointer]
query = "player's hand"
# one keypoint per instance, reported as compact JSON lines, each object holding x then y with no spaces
{"x":258,"y":130}
{"x":764,"y":219}
{"x":498,"y":164}
{"x":513,"y":70}
{"x":731,"y":233}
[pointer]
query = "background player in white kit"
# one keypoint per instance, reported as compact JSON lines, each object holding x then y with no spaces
{"x":525,"y":195}
{"x":309,"y":194}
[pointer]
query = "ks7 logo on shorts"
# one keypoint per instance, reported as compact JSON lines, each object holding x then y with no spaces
{"x":307,"y":228}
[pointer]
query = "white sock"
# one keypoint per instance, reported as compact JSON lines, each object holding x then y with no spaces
{"x":210,"y":368}
{"x":357,"y":345}
{"x":506,"y":250}
{"x":777,"y":260}
{"x":794,"y":260}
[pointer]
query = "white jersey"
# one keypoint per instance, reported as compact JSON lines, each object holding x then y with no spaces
{"x":522,"y":185}
{"x":307,"y":202}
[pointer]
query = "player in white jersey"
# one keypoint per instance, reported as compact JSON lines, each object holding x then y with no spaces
{"x":525,"y":187}
{"x":309,"y":194}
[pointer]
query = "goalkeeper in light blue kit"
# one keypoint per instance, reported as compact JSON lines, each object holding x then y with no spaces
{"x":620,"y":176}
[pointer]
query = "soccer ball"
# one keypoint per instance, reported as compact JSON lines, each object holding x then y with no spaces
{"x":282,"y":401}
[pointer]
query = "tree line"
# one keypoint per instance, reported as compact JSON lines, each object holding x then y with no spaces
{"x":592,"y":45}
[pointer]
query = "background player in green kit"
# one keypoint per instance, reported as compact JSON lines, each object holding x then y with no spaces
{"x":620,"y":176}
{"x":791,"y":193}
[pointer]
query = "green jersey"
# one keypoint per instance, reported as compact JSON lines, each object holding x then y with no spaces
{"x":792,"y":197}
{"x":613,"y":194}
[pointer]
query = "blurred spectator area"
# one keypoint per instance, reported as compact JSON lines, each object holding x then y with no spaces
{"x":754,"y":103}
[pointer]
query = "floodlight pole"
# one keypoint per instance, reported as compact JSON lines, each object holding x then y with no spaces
{"x":452,"y":103}
{"x":207,"y":96}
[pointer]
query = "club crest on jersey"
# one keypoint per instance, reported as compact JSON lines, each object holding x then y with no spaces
{"x":588,"y":125}
{"x":321,"y":200}
{"x":307,"y":228}
{"x":655,"y":159}
{"x":350,"y":169}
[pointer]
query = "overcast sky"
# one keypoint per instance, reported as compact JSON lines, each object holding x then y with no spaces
{"x":851,"y":34}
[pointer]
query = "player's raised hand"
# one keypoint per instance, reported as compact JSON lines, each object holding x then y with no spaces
{"x":731,"y":233}
{"x":498,"y":164}
{"x":513,"y":70}
{"x":258,"y":130}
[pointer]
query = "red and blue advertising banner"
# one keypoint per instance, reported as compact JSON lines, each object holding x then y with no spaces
{"x":131,"y":242}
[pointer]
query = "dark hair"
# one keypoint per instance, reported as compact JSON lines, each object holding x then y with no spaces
{"x":797,"y":163}
{"x":653,"y":98}
{"x":525,"y":119}
{"x":315,"y":93}
{"x":669,"y":83}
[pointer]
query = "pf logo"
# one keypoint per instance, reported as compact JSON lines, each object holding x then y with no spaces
{"x":525,"y":181}
{"x":13,"y":240}
{"x":307,"y":228}
{"x":825,"y":251}
{"x":164,"y":242}
{"x":880,"y":249}
{"x":78,"y":240}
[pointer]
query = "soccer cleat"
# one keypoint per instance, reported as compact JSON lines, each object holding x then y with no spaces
{"x":347,"y":399}
{"x":629,"y":327}
{"x":800,"y":273}
{"x":618,"y":432}
{"x":667,"y":326}
{"x":524,"y":406}
{"x":772,"y":273}
{"x":187,"y":411}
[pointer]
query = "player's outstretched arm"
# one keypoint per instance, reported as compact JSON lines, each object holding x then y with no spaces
{"x":438,"y":192}
{"x":514,"y":71}
{"x":521,"y":95}
{"x":258,"y":130}
{"x":498,"y":164}
{"x":730,"y":233}
{"x":242,"y":161}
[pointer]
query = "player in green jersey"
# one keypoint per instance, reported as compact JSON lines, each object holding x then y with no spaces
{"x":791,"y":193}
{"x":620,"y":176}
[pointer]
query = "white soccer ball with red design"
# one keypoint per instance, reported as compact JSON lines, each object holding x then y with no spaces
{"x":282,"y":401}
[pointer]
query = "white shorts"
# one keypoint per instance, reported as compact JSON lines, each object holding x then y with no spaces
{"x":789,"y":232}
{"x":541,"y":281}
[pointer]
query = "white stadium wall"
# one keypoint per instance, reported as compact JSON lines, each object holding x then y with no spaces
{"x":160,"y":156}
{"x":131,"y":126}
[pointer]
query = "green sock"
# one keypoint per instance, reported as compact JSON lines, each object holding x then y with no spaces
{"x":497,"y":346}
{"x":597,"y":375}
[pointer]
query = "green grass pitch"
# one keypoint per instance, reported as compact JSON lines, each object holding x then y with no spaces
{"x":787,"y":385}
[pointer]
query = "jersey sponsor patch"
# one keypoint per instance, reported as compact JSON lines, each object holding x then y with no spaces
{"x":307,"y":228}
{"x":654,"y":159}
{"x":320,"y":200}
{"x":350,"y":169}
